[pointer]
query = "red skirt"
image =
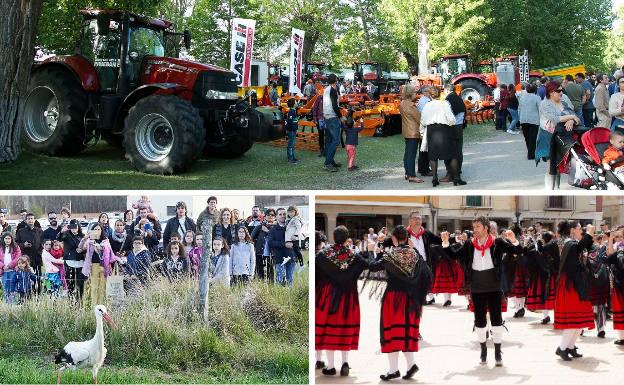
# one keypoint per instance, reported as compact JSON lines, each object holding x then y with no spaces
{"x":570,"y":311}
{"x":617,"y":304}
{"x":340,"y":330}
{"x":520,"y":287}
{"x":445,"y":277}
{"x":399,"y":326}
{"x":537,"y":299}
{"x":503,"y":304}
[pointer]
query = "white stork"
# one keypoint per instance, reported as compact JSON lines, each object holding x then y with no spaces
{"x":86,"y":354}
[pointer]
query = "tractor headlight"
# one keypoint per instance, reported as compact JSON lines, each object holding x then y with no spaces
{"x":213,"y":94}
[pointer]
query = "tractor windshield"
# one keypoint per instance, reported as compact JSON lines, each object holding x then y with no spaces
{"x":146,"y":42}
{"x":369,"y":69}
{"x":316,"y":68}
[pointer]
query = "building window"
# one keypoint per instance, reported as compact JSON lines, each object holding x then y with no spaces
{"x":474,"y":200}
{"x":558,"y":203}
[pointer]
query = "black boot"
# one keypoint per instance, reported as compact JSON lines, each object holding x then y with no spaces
{"x":574,"y":353}
{"x":320,"y":364}
{"x":546,"y":320}
{"x":410,"y":372}
{"x":390,"y":376}
{"x":447,"y":303}
{"x":344,"y":370}
{"x":329,"y":372}
{"x":498,"y":355}
{"x":483,"y":353}
{"x":519,"y":313}
{"x":563,"y":354}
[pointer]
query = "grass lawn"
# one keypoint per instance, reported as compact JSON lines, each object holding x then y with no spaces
{"x":263,"y":167}
{"x":257,"y":334}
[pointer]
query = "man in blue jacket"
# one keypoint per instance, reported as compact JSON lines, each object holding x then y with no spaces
{"x":283,"y":253}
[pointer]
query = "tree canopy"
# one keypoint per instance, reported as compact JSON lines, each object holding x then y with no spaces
{"x":341,"y":32}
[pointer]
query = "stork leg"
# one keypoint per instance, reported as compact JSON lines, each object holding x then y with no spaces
{"x":95,"y":373}
{"x":60,"y":373}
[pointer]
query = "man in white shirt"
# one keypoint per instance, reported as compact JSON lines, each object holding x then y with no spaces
{"x":422,"y":239}
{"x":482,"y":262}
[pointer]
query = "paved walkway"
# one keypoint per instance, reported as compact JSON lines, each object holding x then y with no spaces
{"x":449,"y":353}
{"x":498,"y":162}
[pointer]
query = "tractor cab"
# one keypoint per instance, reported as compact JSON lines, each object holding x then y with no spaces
{"x":316,"y":70}
{"x":451,"y":66}
{"x":368,"y":72}
{"x":108,"y":35}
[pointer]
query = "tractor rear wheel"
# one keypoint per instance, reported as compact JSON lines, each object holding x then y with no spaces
{"x":54,"y":111}
{"x":472,"y":87}
{"x":163,"y":134}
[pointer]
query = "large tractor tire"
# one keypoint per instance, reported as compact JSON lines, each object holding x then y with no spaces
{"x":163,"y":134}
{"x":233,"y":148}
{"x":53,"y":120}
{"x":475,"y":88}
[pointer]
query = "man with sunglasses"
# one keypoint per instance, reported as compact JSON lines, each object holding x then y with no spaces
{"x":53,"y":229}
{"x":264,"y":260}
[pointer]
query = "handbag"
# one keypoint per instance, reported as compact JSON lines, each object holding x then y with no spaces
{"x":115,"y":286}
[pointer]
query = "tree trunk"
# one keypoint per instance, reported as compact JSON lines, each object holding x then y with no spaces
{"x":308,"y":45}
{"x":366,"y":32}
{"x":424,"y":66}
{"x":17,"y":40}
{"x":412,"y":62}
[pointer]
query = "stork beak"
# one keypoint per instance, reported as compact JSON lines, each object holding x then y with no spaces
{"x":109,"y":320}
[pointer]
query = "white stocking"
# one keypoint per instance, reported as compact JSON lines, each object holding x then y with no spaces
{"x":330,"y":359}
{"x":566,"y":336}
{"x":345,"y":356}
{"x":497,"y":334}
{"x":393,"y":362}
{"x":429,"y":298}
{"x":519,"y":303}
{"x":319,"y":355}
{"x":546,"y":313}
{"x":446,"y":296}
{"x":409,"y":359}
{"x":577,"y":334}
{"x":481,"y":332}
{"x":620,"y":334}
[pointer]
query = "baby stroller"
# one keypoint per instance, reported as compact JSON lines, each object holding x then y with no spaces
{"x":585,"y":168}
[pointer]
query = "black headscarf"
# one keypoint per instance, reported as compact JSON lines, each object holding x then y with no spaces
{"x":456,"y":102}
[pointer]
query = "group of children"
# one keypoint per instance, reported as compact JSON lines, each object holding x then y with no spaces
{"x":18,"y":276}
{"x":350,"y":127}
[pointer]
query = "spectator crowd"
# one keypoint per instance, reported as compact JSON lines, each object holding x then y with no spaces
{"x":66,"y":260}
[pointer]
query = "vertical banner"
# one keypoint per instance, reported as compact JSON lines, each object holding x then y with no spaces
{"x":523,"y":63}
{"x":296,"y":54}
{"x":242,"y":49}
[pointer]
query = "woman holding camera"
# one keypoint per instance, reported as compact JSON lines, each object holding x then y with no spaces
{"x":99,"y":259}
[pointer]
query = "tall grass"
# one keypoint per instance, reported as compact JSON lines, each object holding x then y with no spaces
{"x":253,"y":334}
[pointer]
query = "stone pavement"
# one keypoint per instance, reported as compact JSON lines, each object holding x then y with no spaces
{"x":449,"y":353}
{"x":498,"y":162}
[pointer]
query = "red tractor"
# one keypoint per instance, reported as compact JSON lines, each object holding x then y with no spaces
{"x":315,"y":70}
{"x":126,"y":84}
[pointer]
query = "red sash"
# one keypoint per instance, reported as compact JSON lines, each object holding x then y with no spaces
{"x":488,"y":244}
{"x":413,"y":234}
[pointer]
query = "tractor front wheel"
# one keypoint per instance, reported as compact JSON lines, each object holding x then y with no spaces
{"x":163,"y":134}
{"x":475,"y":89}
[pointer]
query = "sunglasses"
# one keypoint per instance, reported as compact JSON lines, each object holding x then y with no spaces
{"x":559,"y":91}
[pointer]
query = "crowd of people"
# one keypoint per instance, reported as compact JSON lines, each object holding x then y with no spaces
{"x":64,"y":259}
{"x":546,"y":107}
{"x":573,"y":274}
